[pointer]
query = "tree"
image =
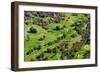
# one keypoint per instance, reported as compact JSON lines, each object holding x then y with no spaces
{"x":33,"y":30}
{"x":57,"y":28}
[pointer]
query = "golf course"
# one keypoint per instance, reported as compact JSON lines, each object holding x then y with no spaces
{"x":56,"y":36}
